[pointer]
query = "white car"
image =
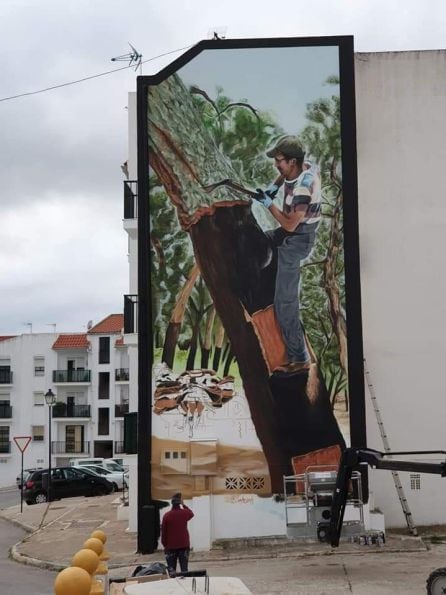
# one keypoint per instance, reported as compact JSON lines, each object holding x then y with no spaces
{"x":115,"y":477}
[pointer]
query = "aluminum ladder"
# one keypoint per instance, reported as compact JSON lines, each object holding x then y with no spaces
{"x":396,"y":477}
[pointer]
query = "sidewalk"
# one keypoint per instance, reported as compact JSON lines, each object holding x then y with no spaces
{"x":56,"y":536}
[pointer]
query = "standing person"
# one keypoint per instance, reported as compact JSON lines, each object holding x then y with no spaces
{"x":298,"y":217}
{"x":175,"y":536}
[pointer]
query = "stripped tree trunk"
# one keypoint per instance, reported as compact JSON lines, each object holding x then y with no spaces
{"x":331,"y":283}
{"x":207,"y":342}
{"x":176,"y":320}
{"x":219,"y":338}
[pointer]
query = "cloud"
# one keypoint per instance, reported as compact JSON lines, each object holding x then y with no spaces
{"x":63,"y":250}
{"x":60,"y":265}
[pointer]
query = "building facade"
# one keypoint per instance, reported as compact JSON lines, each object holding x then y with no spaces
{"x":88,"y":373}
{"x":400,"y":132}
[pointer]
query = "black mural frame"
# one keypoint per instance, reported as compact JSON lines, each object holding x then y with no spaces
{"x":350,"y":232}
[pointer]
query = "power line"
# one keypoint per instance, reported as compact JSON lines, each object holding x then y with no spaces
{"x":93,"y":76}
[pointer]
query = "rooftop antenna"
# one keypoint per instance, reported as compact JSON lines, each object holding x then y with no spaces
{"x":133,"y":58}
{"x":53,"y":324}
{"x":30,"y":324}
{"x":217,"y":33}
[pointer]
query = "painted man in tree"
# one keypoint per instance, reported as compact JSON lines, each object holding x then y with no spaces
{"x":293,"y":241}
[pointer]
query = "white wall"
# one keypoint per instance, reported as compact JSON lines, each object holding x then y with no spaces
{"x":21,"y":351}
{"x":401,"y":131}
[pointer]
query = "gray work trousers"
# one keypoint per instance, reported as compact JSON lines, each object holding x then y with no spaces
{"x":291,"y":250}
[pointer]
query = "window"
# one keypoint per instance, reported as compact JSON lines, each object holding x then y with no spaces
{"x":104,"y":385}
{"x":174,"y":461}
{"x":74,"y":439}
{"x":5,"y":371}
{"x":104,"y":350}
{"x":103,"y":421}
{"x":5,"y":406}
{"x":5,"y":445}
{"x":38,"y":433}
{"x":415,"y":481}
{"x":39,"y":399}
{"x":39,"y":366}
{"x":72,"y":473}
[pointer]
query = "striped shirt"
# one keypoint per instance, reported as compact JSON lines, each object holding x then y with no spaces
{"x":304,"y":190}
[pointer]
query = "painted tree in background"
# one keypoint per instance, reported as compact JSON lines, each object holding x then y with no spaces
{"x":323,"y":281}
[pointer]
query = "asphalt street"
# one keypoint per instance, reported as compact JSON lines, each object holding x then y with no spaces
{"x":9,"y":497}
{"x":18,"y":579}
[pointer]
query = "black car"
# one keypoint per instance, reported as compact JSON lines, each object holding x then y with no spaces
{"x":66,"y":482}
{"x":26,"y":473}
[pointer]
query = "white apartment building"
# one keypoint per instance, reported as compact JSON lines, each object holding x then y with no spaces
{"x":88,"y":373}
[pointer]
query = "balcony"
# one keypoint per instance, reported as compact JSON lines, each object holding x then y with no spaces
{"x":119,"y":448}
{"x":5,"y":411}
{"x":122,"y":375}
{"x":5,"y":448}
{"x":70,"y":448}
{"x":68,"y":410}
{"x":5,"y":377}
{"x":121,"y":409}
{"x":130,"y":314}
{"x":79,"y":376}
{"x":130,"y":199}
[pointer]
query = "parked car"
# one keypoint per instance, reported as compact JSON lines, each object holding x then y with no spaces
{"x":66,"y":482}
{"x":116,"y":477}
{"x":110,"y":464}
{"x":26,"y":473}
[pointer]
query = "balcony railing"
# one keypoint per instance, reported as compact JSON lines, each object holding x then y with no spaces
{"x":5,"y":411}
{"x":121,"y":409}
{"x":130,"y":313}
{"x":5,"y":448}
{"x":71,"y":375}
{"x":130,"y":199}
{"x":119,"y":447}
{"x":121,"y":374}
{"x":68,"y":410}
{"x":60,"y":448}
{"x":5,"y":377}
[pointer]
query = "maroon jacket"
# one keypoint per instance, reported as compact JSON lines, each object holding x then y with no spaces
{"x":174,"y":533}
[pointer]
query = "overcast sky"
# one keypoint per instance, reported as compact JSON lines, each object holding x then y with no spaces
{"x":63,"y":252}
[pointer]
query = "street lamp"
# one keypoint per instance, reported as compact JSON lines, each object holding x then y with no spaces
{"x":50,"y":399}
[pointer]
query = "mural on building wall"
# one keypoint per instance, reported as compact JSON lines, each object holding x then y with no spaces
{"x":246,"y":198}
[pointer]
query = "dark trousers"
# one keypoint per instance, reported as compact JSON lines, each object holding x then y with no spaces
{"x":173,"y":556}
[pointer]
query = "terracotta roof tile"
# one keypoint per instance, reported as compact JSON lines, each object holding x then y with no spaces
{"x":6,"y":337}
{"x":114,"y":323}
{"x":71,"y":342}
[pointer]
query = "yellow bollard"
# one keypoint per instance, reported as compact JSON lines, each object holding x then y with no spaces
{"x":96,"y":545}
{"x":99,"y":534}
{"x":72,"y":581}
{"x":86,"y":559}
{"x":89,"y":560}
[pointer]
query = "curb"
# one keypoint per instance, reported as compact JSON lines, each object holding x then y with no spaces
{"x":15,"y":555}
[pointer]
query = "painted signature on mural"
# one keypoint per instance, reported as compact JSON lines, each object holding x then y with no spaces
{"x":240,"y":499}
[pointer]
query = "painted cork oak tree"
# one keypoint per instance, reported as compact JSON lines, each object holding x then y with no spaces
{"x":201,"y":166}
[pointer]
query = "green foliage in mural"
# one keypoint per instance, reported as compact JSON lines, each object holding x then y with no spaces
{"x":243,"y":134}
{"x":323,"y":281}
